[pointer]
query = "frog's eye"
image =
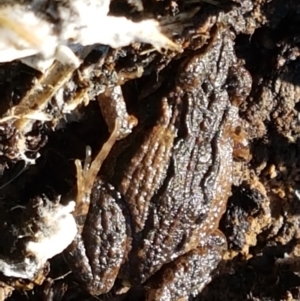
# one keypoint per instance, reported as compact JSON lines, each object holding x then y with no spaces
{"x":23,"y":33}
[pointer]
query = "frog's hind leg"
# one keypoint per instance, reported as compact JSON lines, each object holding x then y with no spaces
{"x":86,"y":175}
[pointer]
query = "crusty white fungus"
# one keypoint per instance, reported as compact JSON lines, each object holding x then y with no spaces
{"x":25,"y":29}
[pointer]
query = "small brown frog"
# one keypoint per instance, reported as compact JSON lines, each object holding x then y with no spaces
{"x":157,"y":229}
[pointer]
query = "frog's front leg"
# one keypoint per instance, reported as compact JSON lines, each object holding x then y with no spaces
{"x":113,"y":107}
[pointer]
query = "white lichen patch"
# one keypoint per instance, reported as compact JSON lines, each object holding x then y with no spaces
{"x":25,"y":269}
{"x":28,"y":28}
{"x":47,"y":233}
{"x":57,"y":230}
